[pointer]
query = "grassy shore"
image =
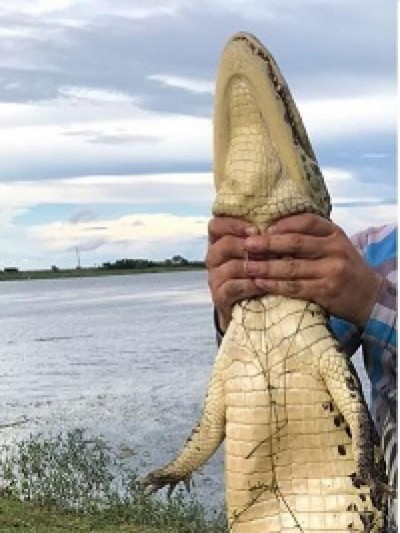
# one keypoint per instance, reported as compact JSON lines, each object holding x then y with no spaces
{"x":29,"y":517}
{"x":74,"y":482}
{"x":91,"y":272}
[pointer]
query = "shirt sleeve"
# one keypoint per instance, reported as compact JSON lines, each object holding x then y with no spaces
{"x":380,"y":330}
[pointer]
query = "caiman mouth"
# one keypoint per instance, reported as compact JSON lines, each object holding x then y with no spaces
{"x":264,"y":165}
{"x":291,"y":116}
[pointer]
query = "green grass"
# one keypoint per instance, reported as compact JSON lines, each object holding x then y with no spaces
{"x":30,"y":517}
{"x":75,"y":483}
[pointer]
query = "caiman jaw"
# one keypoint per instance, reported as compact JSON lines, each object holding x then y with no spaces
{"x":256,"y":178}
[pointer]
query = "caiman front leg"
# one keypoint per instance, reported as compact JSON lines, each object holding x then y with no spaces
{"x":345,"y":390}
{"x":201,"y":444}
{"x":324,"y":356}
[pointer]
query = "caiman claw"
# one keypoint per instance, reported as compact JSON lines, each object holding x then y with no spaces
{"x":156,"y":480}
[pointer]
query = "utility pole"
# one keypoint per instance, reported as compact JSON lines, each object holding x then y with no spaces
{"x":78,"y":258}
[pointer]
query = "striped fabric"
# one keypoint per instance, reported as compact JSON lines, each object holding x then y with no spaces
{"x":378,"y":341}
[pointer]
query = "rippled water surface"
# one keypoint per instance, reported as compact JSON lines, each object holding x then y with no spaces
{"x":125,"y":356}
{"x":128,"y":357}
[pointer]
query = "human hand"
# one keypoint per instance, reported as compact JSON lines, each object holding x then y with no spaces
{"x":225,"y":261}
{"x":315,"y":261}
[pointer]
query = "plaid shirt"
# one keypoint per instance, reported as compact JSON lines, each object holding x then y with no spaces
{"x":378,"y":341}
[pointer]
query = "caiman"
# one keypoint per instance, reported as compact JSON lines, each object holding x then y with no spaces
{"x":299,"y":452}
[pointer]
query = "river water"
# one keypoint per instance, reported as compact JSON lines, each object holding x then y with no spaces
{"x":127,"y":357}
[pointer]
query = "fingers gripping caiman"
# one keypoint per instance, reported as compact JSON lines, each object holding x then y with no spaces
{"x":299,"y":450}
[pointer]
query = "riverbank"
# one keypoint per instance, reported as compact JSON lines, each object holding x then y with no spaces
{"x":21,"y":517}
{"x":93,"y":272}
{"x":76,"y":482}
{"x":16,"y":516}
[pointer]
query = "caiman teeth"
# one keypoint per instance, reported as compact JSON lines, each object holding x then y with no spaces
{"x":299,"y":133}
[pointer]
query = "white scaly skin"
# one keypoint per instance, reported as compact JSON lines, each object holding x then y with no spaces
{"x":299,"y":451}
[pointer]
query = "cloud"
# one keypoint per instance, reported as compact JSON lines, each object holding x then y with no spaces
{"x":152,"y":189}
{"x":357,"y":218}
{"x":61,"y":10}
{"x":149,"y":235}
{"x":120,"y":136}
{"x":93,"y":129}
{"x":95,"y":95}
{"x":8,"y":214}
{"x":185,"y":188}
{"x":158,"y":231}
{"x":346,"y":188}
{"x":133,"y":231}
{"x":328,"y":119}
{"x":83,"y":215}
{"x":77,"y":42}
{"x":84,"y":244}
{"x":375,"y":155}
{"x":193,"y":85}
{"x":92,"y":137}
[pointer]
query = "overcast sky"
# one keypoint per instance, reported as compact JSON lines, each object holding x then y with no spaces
{"x":106,"y":117}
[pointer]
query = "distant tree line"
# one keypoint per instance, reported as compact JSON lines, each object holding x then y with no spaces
{"x":128,"y":264}
{"x":132,"y":264}
{"x":124,"y":264}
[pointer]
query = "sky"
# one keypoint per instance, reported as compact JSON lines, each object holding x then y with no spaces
{"x":106,"y":118}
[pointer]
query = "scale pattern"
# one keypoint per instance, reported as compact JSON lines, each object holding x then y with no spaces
{"x":299,"y":448}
